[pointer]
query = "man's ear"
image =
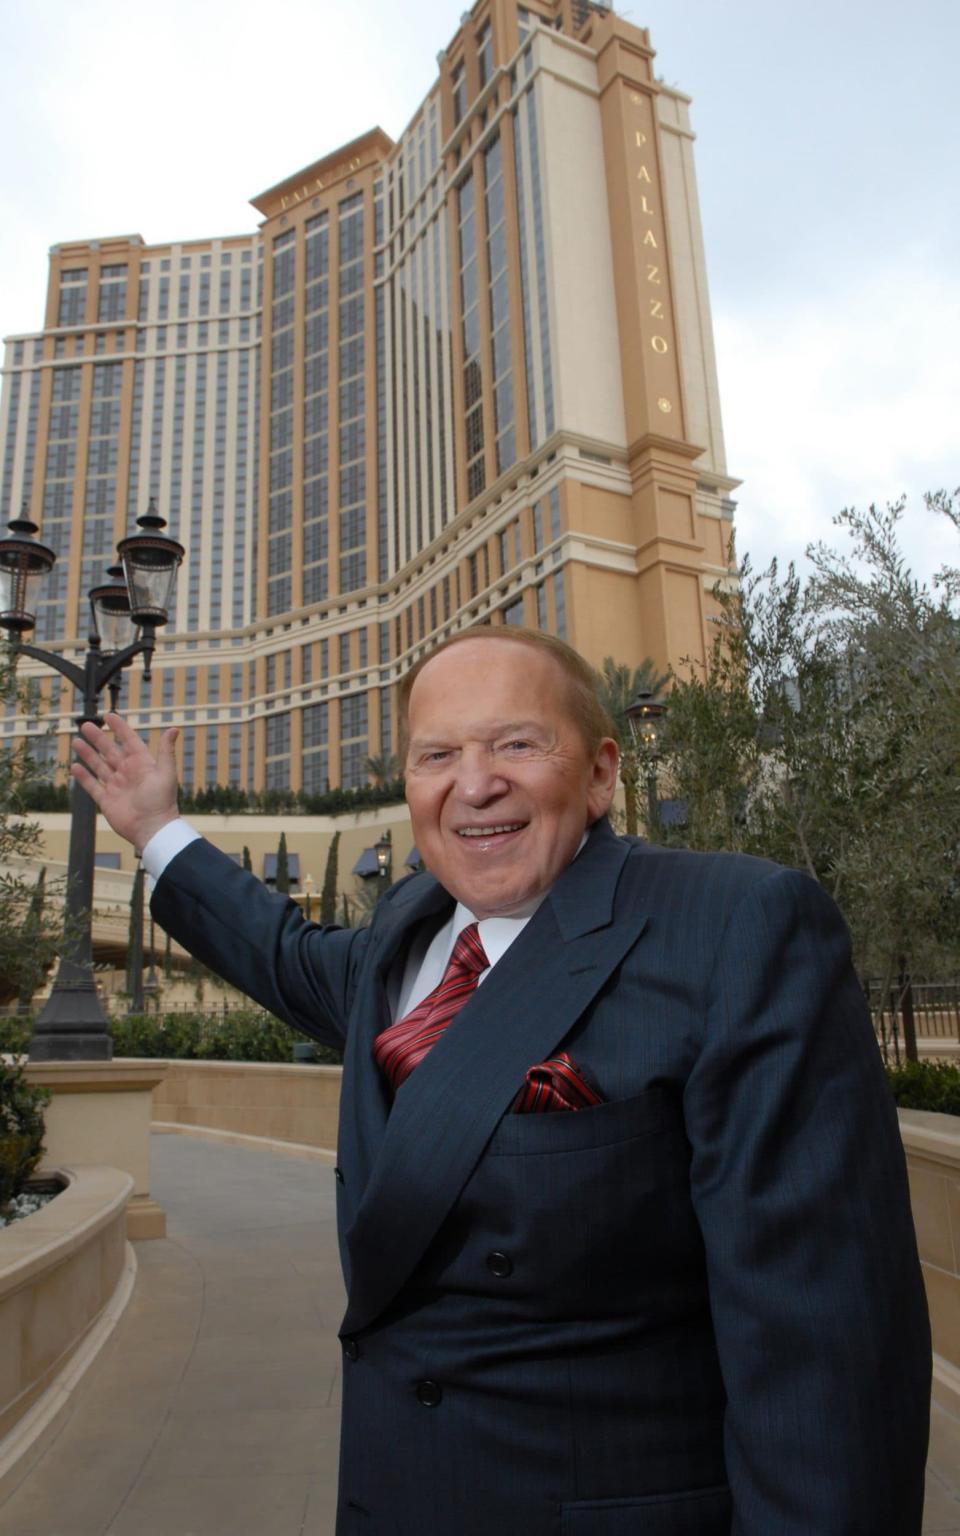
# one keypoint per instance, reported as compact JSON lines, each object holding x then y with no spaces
{"x":603,"y":783}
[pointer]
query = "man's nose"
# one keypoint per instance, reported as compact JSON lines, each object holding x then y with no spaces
{"x":478,"y":780}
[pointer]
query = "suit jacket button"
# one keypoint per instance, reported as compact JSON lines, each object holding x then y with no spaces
{"x":351,"y":1348}
{"x":338,"y":1175}
{"x":499,"y":1264}
{"x":428,"y":1393}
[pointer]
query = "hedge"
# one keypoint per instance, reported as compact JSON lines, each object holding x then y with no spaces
{"x":926,"y":1085}
{"x":248,"y":1034}
{"x":21,"y":1130}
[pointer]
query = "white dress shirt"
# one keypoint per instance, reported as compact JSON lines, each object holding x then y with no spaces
{"x":427,"y":957}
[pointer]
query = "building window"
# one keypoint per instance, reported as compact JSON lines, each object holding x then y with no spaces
{"x":458,"y":83}
{"x":484,"y":56}
{"x":354,"y":741}
{"x":73,"y":297}
{"x":352,"y":426}
{"x":499,"y":306}
{"x":472,"y":375}
{"x":537,"y":529}
{"x":277,"y":775}
{"x":316,"y":737}
{"x":541,"y":607}
{"x":513,"y":612}
{"x":560,"y":604}
{"x":554,"y":500}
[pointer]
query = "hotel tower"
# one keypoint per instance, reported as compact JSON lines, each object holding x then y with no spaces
{"x":467,"y":377}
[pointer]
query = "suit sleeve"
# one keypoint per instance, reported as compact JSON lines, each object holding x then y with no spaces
{"x":799,"y":1183}
{"x":258,"y":941}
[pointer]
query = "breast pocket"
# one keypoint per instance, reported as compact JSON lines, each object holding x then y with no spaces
{"x":703,"y":1512}
{"x":652,"y":1113}
{"x":586,"y":1202}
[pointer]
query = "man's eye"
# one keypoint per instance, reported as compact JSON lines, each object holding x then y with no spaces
{"x":518,"y":746}
{"x":437,"y":756}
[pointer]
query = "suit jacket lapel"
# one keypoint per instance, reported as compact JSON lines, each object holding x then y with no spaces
{"x":447,"y":1110}
{"x":365,"y":1100}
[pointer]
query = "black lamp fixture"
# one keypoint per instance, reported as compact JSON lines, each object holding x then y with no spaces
{"x":125,"y":614}
{"x":645,"y":717}
{"x":384,"y":852}
{"x":110,"y":612}
{"x":23,"y":564}
{"x":150,"y":561}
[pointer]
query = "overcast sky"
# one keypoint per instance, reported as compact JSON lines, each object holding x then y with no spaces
{"x":827,"y":141}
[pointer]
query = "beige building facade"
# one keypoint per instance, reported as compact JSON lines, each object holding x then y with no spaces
{"x":464,"y":377}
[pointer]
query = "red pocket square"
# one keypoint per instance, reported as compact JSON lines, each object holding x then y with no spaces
{"x":557,"y":1083}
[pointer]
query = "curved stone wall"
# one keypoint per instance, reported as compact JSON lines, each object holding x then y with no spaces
{"x":266,"y":1100}
{"x":59,"y":1271}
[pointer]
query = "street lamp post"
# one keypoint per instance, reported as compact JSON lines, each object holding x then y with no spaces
{"x":135,"y":945}
{"x":384,"y":852}
{"x":644,"y":717}
{"x":125,"y":617}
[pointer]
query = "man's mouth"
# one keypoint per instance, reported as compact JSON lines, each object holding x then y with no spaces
{"x":495,"y":829}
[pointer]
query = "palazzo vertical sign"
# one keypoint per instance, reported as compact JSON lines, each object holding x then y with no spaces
{"x":657,"y":332}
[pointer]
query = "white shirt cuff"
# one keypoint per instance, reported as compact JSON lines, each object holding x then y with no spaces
{"x":165,"y":845}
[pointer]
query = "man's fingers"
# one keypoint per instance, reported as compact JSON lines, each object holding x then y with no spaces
{"x":167,"y":743}
{"x":95,"y":754}
{"x":87,"y":780}
{"x":123,"y":733}
{"x":100,"y":741}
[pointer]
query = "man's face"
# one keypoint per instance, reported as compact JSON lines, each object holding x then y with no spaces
{"x":500,"y":784}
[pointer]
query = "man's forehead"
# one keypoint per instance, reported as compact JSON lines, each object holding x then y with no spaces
{"x":497,"y":660}
{"x":486,"y":727}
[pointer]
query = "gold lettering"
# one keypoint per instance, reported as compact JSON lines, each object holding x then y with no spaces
{"x":649,"y":239}
{"x":653,"y":274}
{"x":656,"y":309}
{"x":643,"y":174}
{"x":659,"y":345}
{"x":641,"y":139}
{"x":643,"y":206}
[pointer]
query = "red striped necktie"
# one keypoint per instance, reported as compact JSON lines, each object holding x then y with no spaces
{"x":403,"y":1046}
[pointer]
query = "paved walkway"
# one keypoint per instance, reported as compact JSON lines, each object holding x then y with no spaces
{"x":214,"y":1408}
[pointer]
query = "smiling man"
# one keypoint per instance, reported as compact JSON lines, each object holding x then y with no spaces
{"x":622,"y":1203}
{"x":502,"y":777}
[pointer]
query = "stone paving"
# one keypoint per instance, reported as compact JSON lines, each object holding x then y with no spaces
{"x":214,"y":1408}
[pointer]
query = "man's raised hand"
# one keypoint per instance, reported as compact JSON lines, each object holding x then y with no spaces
{"x":135,"y":791}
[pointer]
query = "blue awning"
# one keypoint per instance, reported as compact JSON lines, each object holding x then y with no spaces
{"x":270,"y":868}
{"x":413,"y":859}
{"x":367,"y":864}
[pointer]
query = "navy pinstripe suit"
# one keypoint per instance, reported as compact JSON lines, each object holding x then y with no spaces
{"x":694,"y":1310}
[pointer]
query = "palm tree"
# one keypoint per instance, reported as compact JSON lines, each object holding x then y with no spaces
{"x":383,"y":769}
{"x":618,"y":687}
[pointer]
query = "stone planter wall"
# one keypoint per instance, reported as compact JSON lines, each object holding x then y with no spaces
{"x":932,"y":1144}
{"x":266,"y":1100}
{"x":61,"y":1270}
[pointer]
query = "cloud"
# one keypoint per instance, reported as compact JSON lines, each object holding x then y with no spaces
{"x":844,"y":397}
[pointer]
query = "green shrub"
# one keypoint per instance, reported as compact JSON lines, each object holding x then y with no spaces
{"x":21,"y":1130}
{"x":248,"y":1034}
{"x":926,"y":1085}
{"x":15,"y":1032}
